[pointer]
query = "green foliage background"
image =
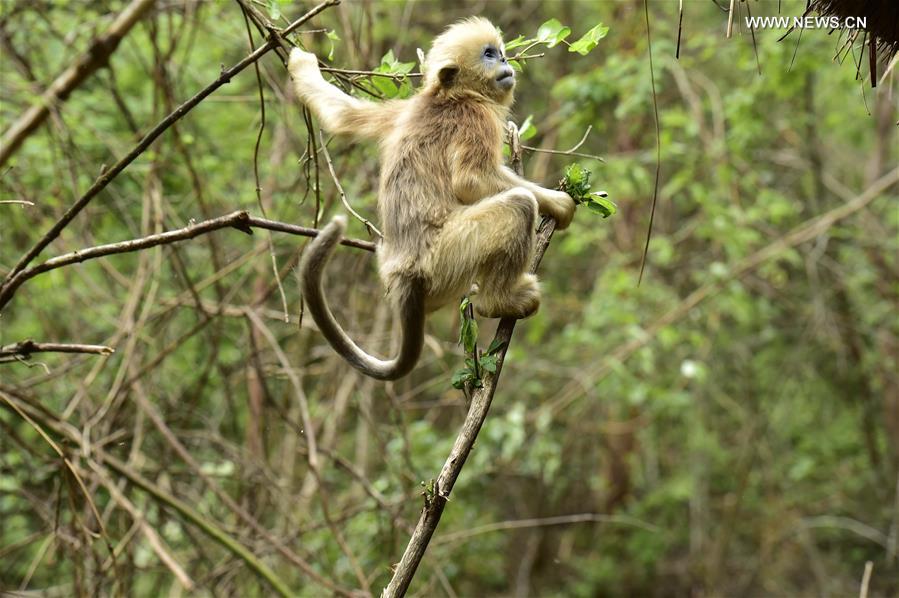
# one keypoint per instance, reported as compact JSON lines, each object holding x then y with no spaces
{"x":745,"y":447}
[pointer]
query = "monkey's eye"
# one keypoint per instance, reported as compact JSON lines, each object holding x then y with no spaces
{"x":491,"y":53}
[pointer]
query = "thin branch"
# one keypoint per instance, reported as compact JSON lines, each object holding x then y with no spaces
{"x":371,"y":227}
{"x":655,"y":110}
{"x":23,"y":202}
{"x":86,"y":65}
{"x":27,"y":347}
{"x":572,"y":152}
{"x":108,"y":175}
{"x":583,"y":139}
{"x":352,"y":73}
{"x":541,"y":150}
{"x":523,"y":56}
{"x":866,"y":580}
{"x":240,"y":220}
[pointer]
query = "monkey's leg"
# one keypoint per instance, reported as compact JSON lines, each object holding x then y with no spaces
{"x":491,"y":241}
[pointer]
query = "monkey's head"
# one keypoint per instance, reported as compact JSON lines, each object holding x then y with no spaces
{"x":470,"y":56}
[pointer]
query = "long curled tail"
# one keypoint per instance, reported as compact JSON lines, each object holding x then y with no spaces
{"x":410,"y":302}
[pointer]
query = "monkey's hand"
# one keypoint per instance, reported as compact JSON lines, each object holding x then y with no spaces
{"x":557,"y":204}
{"x":303,"y":65}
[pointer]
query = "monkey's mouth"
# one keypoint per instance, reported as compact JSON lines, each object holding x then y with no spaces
{"x":506,"y":79}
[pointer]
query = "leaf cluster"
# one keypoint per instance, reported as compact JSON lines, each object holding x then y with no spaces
{"x":576,"y":183}
{"x":475,"y":364}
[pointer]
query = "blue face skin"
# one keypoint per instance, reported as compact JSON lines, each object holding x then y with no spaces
{"x":495,"y":61}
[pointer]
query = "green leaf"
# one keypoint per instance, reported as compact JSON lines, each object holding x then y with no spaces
{"x":386,"y":86}
{"x":274,"y":9}
{"x":488,"y":363}
{"x":332,"y":37}
{"x":461,"y":377}
{"x":495,"y":346}
{"x":552,"y":32}
{"x":468,"y":331}
{"x":576,"y":182}
{"x":469,"y":335}
{"x":517,"y":42}
{"x":404,"y":68}
{"x":589,"y":40}
{"x":527,"y":128}
{"x":601,"y":205}
{"x":389,"y":64}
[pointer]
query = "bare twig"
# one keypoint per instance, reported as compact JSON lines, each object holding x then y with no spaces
{"x":571,"y":152}
{"x":524,"y":56}
{"x":240,"y":220}
{"x":655,"y":110}
{"x":541,"y":150}
{"x":23,"y":202}
{"x":730,"y":19}
{"x":866,"y":580}
{"x":583,"y":139}
{"x":27,"y":347}
{"x":108,"y":175}
{"x":352,"y":73}
{"x":86,"y":65}
{"x":371,"y":227}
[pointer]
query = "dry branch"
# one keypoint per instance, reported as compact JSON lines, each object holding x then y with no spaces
{"x":240,"y":220}
{"x":24,"y":349}
{"x":87,"y":64}
{"x":108,"y":175}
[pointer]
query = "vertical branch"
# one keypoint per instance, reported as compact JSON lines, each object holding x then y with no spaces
{"x":477,"y":412}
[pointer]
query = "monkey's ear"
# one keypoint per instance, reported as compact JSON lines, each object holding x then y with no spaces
{"x":447,"y":74}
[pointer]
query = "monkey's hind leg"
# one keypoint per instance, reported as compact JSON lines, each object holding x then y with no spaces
{"x":491,"y":241}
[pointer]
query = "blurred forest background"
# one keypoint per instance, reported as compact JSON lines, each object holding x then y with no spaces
{"x":729,"y":427}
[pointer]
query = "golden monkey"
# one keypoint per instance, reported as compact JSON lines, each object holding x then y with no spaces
{"x":452,"y":214}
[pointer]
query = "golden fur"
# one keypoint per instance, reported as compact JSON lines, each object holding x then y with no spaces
{"x":452,"y":213}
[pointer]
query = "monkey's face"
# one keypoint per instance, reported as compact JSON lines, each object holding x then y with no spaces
{"x":470,"y":56}
{"x":498,"y":69}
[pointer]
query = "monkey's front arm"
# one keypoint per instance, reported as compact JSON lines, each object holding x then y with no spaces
{"x":337,"y":112}
{"x":474,"y":181}
{"x":557,"y":204}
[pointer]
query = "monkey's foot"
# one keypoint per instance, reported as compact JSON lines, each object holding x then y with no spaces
{"x":520,"y":302}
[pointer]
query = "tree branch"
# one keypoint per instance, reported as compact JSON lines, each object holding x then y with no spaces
{"x":96,"y":56}
{"x":24,"y":349}
{"x":240,"y":220}
{"x":104,"y":179}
